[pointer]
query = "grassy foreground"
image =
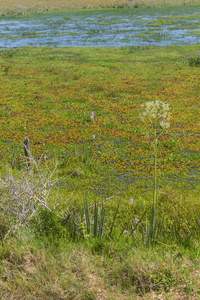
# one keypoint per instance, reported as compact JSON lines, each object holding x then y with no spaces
{"x":49,"y":95}
{"x":33,"y":268}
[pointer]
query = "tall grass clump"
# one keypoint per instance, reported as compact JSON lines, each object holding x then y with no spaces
{"x":156,"y":118}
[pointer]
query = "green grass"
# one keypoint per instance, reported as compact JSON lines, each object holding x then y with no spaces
{"x":33,"y":269}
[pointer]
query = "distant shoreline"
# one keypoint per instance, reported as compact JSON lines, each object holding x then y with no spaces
{"x":23,"y":7}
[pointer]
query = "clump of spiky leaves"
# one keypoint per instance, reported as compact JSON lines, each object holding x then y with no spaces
{"x":97,"y":225}
{"x":156,"y":117}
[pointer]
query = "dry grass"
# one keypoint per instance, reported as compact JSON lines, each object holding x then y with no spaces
{"x":77,"y":4}
{"x":32,"y":270}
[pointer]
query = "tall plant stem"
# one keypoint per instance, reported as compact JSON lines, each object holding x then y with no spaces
{"x":151,"y":231}
{"x":155,"y":183}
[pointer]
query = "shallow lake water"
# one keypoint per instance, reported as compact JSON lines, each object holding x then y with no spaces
{"x":104,"y":28}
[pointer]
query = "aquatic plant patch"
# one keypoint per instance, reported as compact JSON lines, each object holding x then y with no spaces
{"x":49,"y":94}
{"x":196,"y":32}
{"x":160,"y":26}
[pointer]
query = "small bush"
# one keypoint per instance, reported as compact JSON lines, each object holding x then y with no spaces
{"x":27,"y":193}
{"x":46,"y":223}
{"x":194,"y":62}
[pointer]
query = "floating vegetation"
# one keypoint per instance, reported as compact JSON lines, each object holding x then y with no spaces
{"x":49,"y":94}
{"x":195,"y":32}
{"x":161,"y":26}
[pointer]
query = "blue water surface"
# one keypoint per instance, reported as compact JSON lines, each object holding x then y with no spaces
{"x":102,"y":28}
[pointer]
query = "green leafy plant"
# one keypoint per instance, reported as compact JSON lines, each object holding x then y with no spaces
{"x":47,"y":224}
{"x":6,"y":68}
{"x":194,"y":62}
{"x":8,"y":53}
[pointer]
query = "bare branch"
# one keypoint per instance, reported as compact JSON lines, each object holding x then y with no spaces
{"x":23,"y":192}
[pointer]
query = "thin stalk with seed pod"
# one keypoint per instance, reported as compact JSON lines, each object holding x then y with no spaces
{"x":156,"y":117}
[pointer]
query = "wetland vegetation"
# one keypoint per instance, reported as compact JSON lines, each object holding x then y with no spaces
{"x":82,"y":222}
{"x":155,"y":26}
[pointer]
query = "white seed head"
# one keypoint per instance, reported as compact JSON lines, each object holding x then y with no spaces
{"x":156,"y":113}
